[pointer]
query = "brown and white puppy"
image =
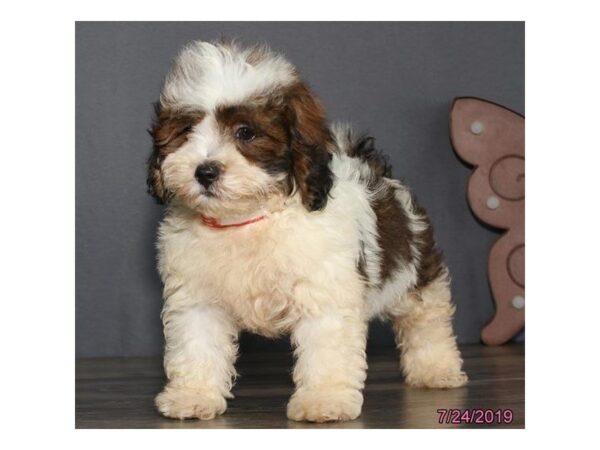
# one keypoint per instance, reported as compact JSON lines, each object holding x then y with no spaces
{"x":278,"y":222}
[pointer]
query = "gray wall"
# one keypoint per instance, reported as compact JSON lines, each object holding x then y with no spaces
{"x":395,"y":80}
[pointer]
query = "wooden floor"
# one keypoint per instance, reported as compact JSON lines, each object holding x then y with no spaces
{"x":118,"y":393}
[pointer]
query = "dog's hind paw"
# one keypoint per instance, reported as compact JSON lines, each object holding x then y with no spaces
{"x":439,"y":380}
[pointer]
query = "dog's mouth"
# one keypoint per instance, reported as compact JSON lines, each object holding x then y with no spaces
{"x":208,"y":194}
{"x":211,"y":191}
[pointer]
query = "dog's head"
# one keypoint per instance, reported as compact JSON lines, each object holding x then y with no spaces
{"x":235,"y":128}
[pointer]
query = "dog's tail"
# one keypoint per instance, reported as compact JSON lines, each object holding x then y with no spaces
{"x":361,"y":146}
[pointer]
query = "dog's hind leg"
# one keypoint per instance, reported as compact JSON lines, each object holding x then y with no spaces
{"x":422,"y":322}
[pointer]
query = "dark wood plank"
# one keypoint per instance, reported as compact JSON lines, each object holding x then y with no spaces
{"x":119,"y":392}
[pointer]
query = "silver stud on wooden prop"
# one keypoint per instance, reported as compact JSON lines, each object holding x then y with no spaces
{"x":477,"y":127}
{"x":518,"y":302}
{"x":493,"y":202}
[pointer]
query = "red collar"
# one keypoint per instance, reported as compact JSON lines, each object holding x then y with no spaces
{"x":213,"y":223}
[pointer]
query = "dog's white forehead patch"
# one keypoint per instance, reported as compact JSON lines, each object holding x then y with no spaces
{"x":206,"y":137}
{"x":206,"y":75}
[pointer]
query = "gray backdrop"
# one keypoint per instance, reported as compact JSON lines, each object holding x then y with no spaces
{"x":394,"y":80}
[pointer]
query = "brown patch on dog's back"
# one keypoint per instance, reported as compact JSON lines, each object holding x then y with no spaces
{"x":431,"y":262}
{"x":393,"y":233}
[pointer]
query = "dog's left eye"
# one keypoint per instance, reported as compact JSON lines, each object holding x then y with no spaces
{"x":245,"y":133}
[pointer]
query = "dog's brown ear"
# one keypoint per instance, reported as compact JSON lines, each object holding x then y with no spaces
{"x":154,"y":179}
{"x":169,"y":132}
{"x":310,"y":142}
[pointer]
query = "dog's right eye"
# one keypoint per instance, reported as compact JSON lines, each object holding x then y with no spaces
{"x":245,"y":134}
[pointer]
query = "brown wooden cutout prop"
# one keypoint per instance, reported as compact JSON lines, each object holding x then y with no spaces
{"x":491,"y":138}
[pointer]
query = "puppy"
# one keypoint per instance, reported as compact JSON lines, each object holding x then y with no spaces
{"x":280,"y":223}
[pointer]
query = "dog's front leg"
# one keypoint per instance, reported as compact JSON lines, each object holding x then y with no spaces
{"x":201,"y":347}
{"x":331,"y":368}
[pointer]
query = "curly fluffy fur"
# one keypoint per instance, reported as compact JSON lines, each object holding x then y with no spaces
{"x":339,"y":241}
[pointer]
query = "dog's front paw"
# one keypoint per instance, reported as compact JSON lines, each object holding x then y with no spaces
{"x":187,"y":403}
{"x":325,"y":404}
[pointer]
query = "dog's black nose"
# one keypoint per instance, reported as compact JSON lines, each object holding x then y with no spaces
{"x":207,"y":173}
